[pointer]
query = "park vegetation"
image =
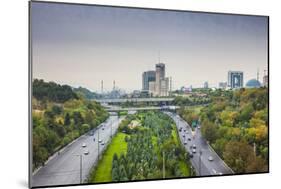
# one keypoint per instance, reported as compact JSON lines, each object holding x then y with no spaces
{"x":150,"y":145}
{"x":235,"y":124}
{"x":59,"y":115}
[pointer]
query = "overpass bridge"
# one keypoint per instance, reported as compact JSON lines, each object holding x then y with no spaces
{"x":123,"y":100}
{"x":118,"y":108}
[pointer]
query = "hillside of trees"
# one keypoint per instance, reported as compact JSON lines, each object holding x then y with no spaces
{"x":86,"y":93}
{"x":59,"y":116}
{"x":52,"y":91}
{"x":235,"y":124}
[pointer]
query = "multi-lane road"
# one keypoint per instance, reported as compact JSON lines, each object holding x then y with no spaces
{"x":64,"y":167}
{"x":208,"y":163}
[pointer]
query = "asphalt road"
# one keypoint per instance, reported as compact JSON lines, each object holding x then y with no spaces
{"x":64,"y":168}
{"x":206,"y":167}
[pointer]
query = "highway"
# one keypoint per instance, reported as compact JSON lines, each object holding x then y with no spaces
{"x":64,"y":168}
{"x":206,"y":167}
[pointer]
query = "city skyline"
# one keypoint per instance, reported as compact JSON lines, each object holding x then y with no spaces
{"x":82,"y":45}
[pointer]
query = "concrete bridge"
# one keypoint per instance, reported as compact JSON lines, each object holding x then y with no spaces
{"x":118,"y":108}
{"x":123,"y":100}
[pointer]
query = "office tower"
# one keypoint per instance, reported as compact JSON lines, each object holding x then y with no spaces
{"x":160,"y":74}
{"x":206,"y":85}
{"x":146,"y":78}
{"x":235,"y":79}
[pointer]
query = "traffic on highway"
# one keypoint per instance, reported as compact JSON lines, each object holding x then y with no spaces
{"x":203,"y":158}
{"x":72,"y":164}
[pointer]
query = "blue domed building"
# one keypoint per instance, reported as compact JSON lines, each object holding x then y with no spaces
{"x":253,"y":83}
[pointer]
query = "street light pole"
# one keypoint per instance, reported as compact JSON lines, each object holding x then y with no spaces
{"x":200,"y":154}
{"x":98,"y":143}
{"x":80,"y":168}
{"x":111,"y":128}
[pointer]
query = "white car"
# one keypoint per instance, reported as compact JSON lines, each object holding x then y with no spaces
{"x":86,"y":152}
{"x":194,"y":151}
{"x":84,"y":145}
{"x":100,"y":140}
{"x":210,"y":158}
{"x":194,"y":146}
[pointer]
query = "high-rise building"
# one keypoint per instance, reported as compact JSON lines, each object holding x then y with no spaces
{"x":164,"y":87}
{"x":235,"y":79}
{"x":155,"y":82}
{"x":206,"y":85}
{"x":146,"y":78}
{"x":159,"y":75}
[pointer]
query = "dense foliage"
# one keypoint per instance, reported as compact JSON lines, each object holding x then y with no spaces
{"x":57,"y":124}
{"x":51,"y":91}
{"x":146,"y":145}
{"x":236,"y":125}
{"x":86,"y":93}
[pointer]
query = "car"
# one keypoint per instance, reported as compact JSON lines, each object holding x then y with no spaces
{"x":102,"y":128}
{"x":184,"y":130}
{"x":191,"y":155}
{"x":189,"y":138}
{"x":86,"y":152}
{"x":183,"y":135}
{"x":102,"y":143}
{"x":210,"y":158}
{"x":100,"y":140}
{"x":194,"y":151}
{"x":194,"y":146}
{"x":198,"y":127}
{"x":84,"y":145}
{"x":185,"y":142}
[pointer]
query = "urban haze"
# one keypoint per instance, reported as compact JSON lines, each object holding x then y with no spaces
{"x":82,"y":45}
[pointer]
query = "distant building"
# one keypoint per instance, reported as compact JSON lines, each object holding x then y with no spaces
{"x":253,"y":83}
{"x":235,"y":79}
{"x":164,"y":87}
{"x":151,"y":88}
{"x":155,"y":82}
{"x":222,"y":85}
{"x":265,"y":80}
{"x":206,"y":85}
{"x":146,"y":78}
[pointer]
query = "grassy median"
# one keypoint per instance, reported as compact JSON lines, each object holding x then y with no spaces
{"x":102,"y":172}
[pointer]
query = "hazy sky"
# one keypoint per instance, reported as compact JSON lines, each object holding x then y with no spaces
{"x":82,"y":45}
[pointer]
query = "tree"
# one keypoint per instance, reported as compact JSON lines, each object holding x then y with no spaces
{"x":67,"y":119}
{"x":238,"y":155}
{"x":209,"y":131}
{"x":57,"y":110}
{"x":257,"y":165}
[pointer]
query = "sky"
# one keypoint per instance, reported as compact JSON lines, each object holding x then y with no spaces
{"x":81,"y":45}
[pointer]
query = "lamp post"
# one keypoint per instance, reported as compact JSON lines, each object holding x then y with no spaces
{"x":98,"y":143}
{"x":111,"y":128}
{"x":80,"y":168}
{"x":200,"y":154}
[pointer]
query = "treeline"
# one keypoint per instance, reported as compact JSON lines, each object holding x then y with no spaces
{"x":146,"y":144}
{"x":57,"y":124}
{"x":86,"y":93}
{"x":236,"y":125}
{"x":51,"y":91}
{"x":191,"y":101}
